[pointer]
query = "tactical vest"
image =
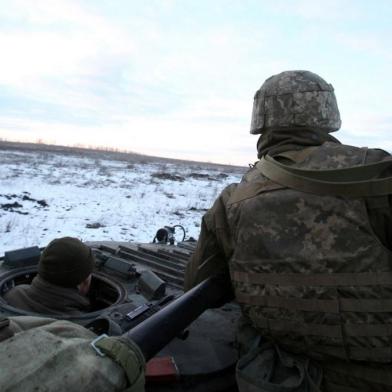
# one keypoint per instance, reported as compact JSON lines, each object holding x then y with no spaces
{"x":307,"y":268}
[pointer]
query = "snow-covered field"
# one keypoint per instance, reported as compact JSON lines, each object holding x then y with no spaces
{"x":49,"y":194}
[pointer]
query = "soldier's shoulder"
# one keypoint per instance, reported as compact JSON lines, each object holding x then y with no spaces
{"x":377,"y":154}
{"x":227,"y":192}
{"x":16,"y":296}
{"x":343,"y":155}
{"x":17,"y":289}
{"x":372,"y":154}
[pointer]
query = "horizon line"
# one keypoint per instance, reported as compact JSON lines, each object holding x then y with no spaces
{"x":114,"y":150}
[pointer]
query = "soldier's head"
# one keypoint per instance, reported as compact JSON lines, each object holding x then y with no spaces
{"x":67,"y":262}
{"x":295,"y":100}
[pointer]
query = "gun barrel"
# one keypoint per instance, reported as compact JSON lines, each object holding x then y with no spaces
{"x":157,"y":331}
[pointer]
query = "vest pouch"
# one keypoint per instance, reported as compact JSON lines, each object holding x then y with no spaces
{"x":267,"y":368}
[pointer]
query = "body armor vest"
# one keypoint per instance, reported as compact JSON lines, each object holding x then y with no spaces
{"x":307,"y":269}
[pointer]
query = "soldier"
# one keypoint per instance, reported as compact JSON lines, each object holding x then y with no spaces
{"x":306,"y":238}
{"x":41,"y":354}
{"x":62,"y":283}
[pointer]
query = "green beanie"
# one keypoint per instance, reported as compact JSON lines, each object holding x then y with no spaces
{"x":66,"y":262}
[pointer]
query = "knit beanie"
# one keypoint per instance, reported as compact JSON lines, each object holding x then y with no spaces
{"x":66,"y":262}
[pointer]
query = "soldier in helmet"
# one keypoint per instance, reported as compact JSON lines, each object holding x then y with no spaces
{"x":306,"y":240}
{"x":62,"y":282}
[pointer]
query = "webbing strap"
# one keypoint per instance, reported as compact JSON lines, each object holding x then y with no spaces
{"x":333,"y":331}
{"x":129,"y":357}
{"x":376,"y":354}
{"x":379,"y":375}
{"x":366,"y":305}
{"x":356,"y":181}
{"x":368,"y":330}
{"x":319,"y":305}
{"x":301,"y":328}
{"x":354,"y":173}
{"x":309,"y":305}
{"x":251,"y":189}
{"x":331,"y":279}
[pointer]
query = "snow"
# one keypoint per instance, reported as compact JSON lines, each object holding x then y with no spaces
{"x":44,"y":195}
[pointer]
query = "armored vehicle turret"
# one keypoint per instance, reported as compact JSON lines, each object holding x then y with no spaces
{"x":131,"y":282}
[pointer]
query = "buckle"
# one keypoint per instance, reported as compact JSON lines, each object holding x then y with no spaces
{"x":95,"y":341}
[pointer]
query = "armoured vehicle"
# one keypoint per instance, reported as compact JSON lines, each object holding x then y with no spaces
{"x":133,"y":281}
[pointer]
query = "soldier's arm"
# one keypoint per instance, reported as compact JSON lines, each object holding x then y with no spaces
{"x":214,"y":246}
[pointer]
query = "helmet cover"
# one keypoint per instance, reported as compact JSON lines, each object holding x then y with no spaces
{"x":295,"y":99}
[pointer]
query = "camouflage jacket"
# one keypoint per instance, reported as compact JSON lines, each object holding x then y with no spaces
{"x":45,"y":298}
{"x":43,"y":354}
{"x":308,"y":270}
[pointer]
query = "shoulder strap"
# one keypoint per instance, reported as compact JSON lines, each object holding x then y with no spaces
{"x":128,"y":355}
{"x":248,"y":190}
{"x":357,"y":181}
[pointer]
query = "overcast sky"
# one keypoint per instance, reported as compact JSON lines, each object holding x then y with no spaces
{"x":177,"y":78}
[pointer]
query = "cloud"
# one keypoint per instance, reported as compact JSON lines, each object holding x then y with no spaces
{"x":375,"y":45}
{"x":172,"y":77}
{"x":318,"y":10}
{"x":55,"y":40}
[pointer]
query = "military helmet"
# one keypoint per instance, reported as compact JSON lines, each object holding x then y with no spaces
{"x":295,"y":99}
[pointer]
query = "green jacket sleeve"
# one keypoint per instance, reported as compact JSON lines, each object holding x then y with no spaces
{"x":214,"y":246}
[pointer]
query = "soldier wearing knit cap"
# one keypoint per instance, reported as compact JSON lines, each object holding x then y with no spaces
{"x":62,"y":282}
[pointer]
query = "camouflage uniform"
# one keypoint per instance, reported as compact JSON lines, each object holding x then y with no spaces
{"x":63,"y":265}
{"x":312,"y":273}
{"x":42,"y":354}
{"x":46,"y":298}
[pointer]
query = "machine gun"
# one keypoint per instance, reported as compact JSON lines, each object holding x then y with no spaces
{"x":157,"y":331}
{"x":154,"y":333}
